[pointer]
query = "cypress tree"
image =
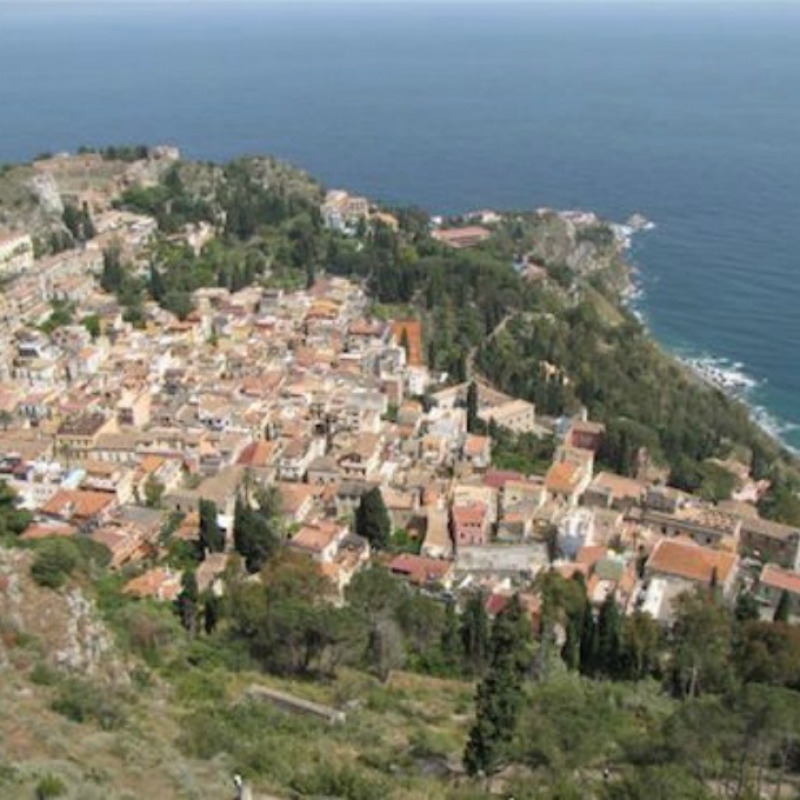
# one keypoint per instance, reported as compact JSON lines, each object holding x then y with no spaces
{"x":472,"y":407}
{"x":211,"y":612}
{"x":157,"y":288}
{"x":372,"y":519}
{"x":609,"y":636}
{"x":746,"y":608}
{"x":212,"y":539}
{"x":113,"y":273}
{"x":589,"y":644}
{"x":783,"y":607}
{"x":451,"y":646}
{"x":187,"y":601}
{"x":475,"y":633}
{"x":499,"y":695}
{"x":254,"y":537}
{"x":571,"y":652}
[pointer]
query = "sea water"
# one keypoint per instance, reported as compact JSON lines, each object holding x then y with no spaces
{"x":688,"y":113}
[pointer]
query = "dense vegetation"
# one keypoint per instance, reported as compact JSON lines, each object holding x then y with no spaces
{"x":577,"y":705}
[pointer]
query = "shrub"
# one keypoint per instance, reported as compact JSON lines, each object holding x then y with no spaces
{"x":195,"y":686}
{"x":334,"y":780}
{"x":147,"y":630}
{"x":44,"y":675}
{"x":50,"y":786}
{"x":81,"y":701}
{"x":91,"y":552}
{"x":55,"y":561}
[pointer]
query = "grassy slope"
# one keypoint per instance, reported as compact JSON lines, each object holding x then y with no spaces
{"x":165,"y":747}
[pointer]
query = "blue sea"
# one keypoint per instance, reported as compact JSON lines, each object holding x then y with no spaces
{"x":688,"y":113}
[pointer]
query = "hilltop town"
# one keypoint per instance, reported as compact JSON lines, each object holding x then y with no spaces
{"x":110,"y":429}
{"x":161,"y":428}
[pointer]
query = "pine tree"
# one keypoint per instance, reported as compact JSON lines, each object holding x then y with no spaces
{"x":372,"y":519}
{"x":783,"y":608}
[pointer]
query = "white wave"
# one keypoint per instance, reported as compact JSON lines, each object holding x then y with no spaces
{"x":725,"y":375}
{"x":731,"y":378}
{"x":774,"y":427}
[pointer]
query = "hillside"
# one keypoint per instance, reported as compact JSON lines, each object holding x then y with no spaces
{"x":181,"y":725}
{"x":264,"y":447}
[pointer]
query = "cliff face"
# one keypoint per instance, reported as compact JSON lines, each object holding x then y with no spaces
{"x":64,"y":626}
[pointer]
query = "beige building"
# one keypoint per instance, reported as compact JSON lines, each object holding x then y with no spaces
{"x":518,"y":416}
{"x":133,"y":409}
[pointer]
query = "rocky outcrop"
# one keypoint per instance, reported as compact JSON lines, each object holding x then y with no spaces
{"x":65,"y":624}
{"x":45,"y":189}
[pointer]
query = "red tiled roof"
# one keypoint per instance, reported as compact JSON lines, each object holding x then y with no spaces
{"x":78,"y":504}
{"x":158,"y":582}
{"x":561,"y":477}
{"x":413,"y":331}
{"x":685,"y":559}
{"x":497,"y":478}
{"x":257,"y":454}
{"x":419,"y":569}
{"x":43,"y":530}
{"x":782,"y":579}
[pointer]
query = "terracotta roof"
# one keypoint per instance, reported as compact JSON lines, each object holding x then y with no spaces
{"x":782,"y":579}
{"x":477,"y":445}
{"x":472,"y":513}
{"x":496,"y":602}
{"x":421,"y":570}
{"x":685,"y":559}
{"x":497,"y":478}
{"x":159,"y":582}
{"x":189,"y":529}
{"x":293,"y":495}
{"x":150,"y":464}
{"x":43,"y":530}
{"x":78,"y":504}
{"x":315,"y":538}
{"x":561,"y":477}
{"x":365,"y":327}
{"x":618,"y":485}
{"x":591,"y":554}
{"x":413,"y":332}
{"x":257,"y":454}
{"x":462,"y":237}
